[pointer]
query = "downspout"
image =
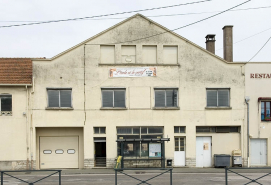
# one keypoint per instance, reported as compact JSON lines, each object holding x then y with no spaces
{"x":31,"y":122}
{"x":26,"y":125}
{"x":85,"y":84}
{"x":247,"y":99}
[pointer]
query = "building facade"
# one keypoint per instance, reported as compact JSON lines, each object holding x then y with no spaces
{"x":136,"y":80}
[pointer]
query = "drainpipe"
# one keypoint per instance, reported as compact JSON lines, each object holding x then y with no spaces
{"x":26,"y":120}
{"x":247,"y":99}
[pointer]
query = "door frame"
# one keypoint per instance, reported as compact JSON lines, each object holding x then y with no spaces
{"x":179,"y":148}
{"x":211,"y":152}
{"x":266,"y":146}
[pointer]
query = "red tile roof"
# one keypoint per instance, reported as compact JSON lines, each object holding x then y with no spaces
{"x":15,"y":71}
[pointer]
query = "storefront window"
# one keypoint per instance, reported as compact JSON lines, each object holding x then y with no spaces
{"x":137,"y":149}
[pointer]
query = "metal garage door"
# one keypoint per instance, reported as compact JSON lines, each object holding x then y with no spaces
{"x":59,"y":152}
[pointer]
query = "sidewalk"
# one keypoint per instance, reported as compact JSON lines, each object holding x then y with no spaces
{"x":175,"y":170}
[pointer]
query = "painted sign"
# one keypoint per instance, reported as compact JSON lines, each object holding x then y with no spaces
{"x":118,"y":162}
{"x":132,"y":72}
{"x":260,"y":75}
{"x":155,"y":150}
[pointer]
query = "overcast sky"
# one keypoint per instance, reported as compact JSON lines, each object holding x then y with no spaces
{"x":47,"y":40}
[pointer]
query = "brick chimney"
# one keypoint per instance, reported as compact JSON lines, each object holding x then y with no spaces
{"x":210,"y":43}
{"x":227,"y":43}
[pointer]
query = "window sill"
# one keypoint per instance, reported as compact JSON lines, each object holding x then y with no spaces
{"x":265,"y":121}
{"x":113,"y":108}
{"x":6,"y":113}
{"x":59,"y":108}
{"x":166,"y":108}
{"x":218,"y":108}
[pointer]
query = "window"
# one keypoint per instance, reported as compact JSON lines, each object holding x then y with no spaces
{"x":179,"y":144}
{"x":59,"y":151}
{"x":166,"y":97}
{"x":170,"y":55}
{"x":5,"y":102}
{"x":219,"y":129}
{"x":59,"y":97}
{"x":179,"y":129}
{"x":99,"y":130}
{"x":132,"y":149}
{"x":114,"y":98}
{"x":218,"y":97}
{"x":265,"y":111}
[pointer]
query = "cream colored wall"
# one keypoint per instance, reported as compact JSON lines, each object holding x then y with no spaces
{"x":255,"y":88}
{"x":196,"y":70}
{"x":223,"y":143}
{"x":56,"y":131}
{"x":13,"y":130}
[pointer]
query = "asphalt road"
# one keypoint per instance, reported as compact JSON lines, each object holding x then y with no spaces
{"x":106,"y":179}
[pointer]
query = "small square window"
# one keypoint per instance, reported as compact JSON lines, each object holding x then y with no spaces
{"x":59,"y":97}
{"x":114,"y":98}
{"x":179,"y":129}
{"x":99,"y":130}
{"x":166,"y":97}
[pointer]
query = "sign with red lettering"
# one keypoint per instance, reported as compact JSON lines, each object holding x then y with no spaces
{"x":133,"y":72}
{"x":260,"y":75}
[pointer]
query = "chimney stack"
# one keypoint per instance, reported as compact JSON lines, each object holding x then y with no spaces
{"x":227,"y":43}
{"x":210,"y":43}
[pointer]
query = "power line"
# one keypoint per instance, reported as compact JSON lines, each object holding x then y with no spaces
{"x":247,"y":37}
{"x":181,"y":26}
{"x":167,"y":15}
{"x":81,"y":18}
{"x":260,"y":49}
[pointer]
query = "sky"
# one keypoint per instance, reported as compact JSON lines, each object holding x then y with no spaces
{"x":48,"y":40}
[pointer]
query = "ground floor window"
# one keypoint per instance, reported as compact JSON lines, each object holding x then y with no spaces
{"x":138,"y":149}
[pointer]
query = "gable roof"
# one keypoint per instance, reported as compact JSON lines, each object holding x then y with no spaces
{"x":128,"y":19}
{"x":15,"y":71}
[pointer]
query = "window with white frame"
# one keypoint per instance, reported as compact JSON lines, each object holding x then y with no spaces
{"x":5,"y":102}
{"x":218,"y":97}
{"x":113,"y":98}
{"x":166,"y":97}
{"x":60,"y":98}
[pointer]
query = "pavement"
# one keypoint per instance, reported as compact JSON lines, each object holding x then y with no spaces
{"x":175,"y":170}
{"x":145,"y":171}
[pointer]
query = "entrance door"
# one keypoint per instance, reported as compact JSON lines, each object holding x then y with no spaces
{"x":179,"y":153}
{"x":203,"y":152}
{"x":100,"y":152}
{"x":59,"y":152}
{"x":258,"y":152}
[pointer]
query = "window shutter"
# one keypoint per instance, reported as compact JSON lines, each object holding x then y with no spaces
{"x":211,"y":98}
{"x":223,"y":98}
{"x":53,"y":96}
{"x":119,"y":98}
{"x":6,"y":102}
{"x":159,"y":98}
{"x":65,"y":98}
{"x":107,"y":98}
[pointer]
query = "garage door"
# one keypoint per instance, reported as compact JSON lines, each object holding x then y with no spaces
{"x":59,"y":152}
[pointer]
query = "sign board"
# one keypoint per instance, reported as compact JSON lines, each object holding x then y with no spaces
{"x":155,"y":150}
{"x":132,"y":72}
{"x":118,"y":162}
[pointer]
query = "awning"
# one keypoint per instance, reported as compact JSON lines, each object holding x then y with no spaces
{"x":264,"y":98}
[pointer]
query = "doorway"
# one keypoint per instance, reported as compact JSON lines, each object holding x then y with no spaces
{"x":100,"y":152}
{"x":179,"y":153}
{"x":203,"y":152}
{"x":258,"y":152}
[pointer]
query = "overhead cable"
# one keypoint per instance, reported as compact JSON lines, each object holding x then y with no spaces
{"x":106,"y":15}
{"x":260,"y":49}
{"x":166,"y":15}
{"x":181,"y":26}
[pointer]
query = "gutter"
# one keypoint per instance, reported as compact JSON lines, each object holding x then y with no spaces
{"x":23,"y":85}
